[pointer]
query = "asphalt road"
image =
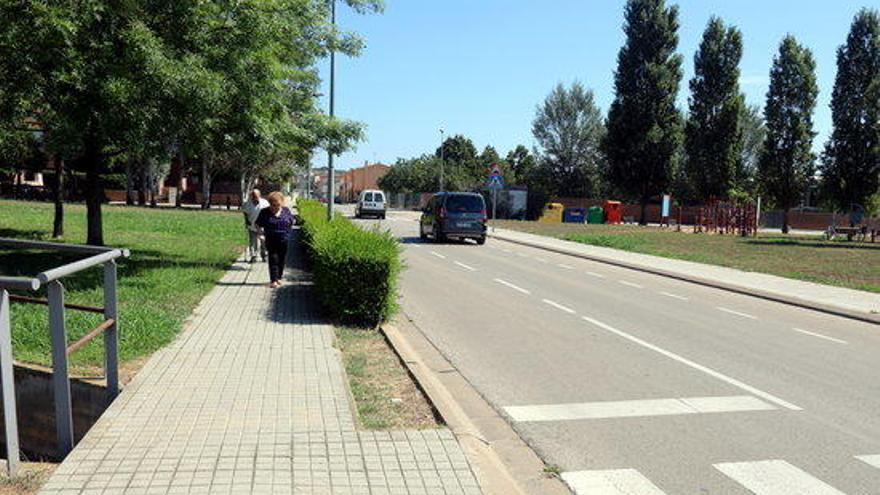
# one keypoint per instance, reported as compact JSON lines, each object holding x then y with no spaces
{"x":632,"y":383}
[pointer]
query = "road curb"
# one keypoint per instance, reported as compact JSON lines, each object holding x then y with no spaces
{"x":715,"y":283}
{"x":502,"y":462}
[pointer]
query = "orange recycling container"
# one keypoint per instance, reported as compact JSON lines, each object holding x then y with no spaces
{"x":613,"y":212}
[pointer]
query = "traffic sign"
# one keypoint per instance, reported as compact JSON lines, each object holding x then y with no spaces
{"x":496,"y":178}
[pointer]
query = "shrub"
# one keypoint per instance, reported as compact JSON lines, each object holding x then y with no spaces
{"x":355,"y":270}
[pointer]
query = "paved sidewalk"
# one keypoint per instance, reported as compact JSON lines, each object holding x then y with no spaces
{"x":853,"y":303}
{"x":252,"y":398}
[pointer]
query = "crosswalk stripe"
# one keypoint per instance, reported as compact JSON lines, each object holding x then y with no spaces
{"x":610,"y":482}
{"x":775,"y":477}
{"x":636,"y":408}
{"x":871,"y":460}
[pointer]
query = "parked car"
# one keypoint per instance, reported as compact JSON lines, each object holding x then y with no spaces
{"x":370,"y":202}
{"x":454,"y":215}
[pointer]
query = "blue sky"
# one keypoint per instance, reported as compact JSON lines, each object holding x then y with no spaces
{"x":480,"y":67}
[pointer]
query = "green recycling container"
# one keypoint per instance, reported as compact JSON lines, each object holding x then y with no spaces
{"x":596,"y":215}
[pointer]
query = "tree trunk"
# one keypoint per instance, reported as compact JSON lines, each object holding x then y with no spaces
{"x":129,"y":184}
{"x":94,"y":192}
{"x":151,"y":183}
{"x":206,"y":185}
{"x":58,"y":197}
{"x":643,"y":219}
{"x":178,"y":200}
{"x":785,"y":220}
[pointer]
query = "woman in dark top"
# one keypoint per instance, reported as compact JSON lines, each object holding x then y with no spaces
{"x":276,"y":222}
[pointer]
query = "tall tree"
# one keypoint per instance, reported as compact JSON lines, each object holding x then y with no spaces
{"x":786,"y":164}
{"x":713,"y":134}
{"x":644,"y":125}
{"x":460,"y":160}
{"x":851,"y":165}
{"x":568,"y":128}
{"x":102,"y":77}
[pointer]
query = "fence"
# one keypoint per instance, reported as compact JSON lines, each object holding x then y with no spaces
{"x":51,"y":279}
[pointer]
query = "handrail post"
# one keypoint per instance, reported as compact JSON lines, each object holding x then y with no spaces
{"x":7,"y":376}
{"x":111,"y":336}
{"x":63,"y":409}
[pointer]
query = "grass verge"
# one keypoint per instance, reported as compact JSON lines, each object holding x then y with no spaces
{"x":385,"y":394}
{"x":176,"y":258}
{"x":29,"y":480}
{"x":811,"y":258}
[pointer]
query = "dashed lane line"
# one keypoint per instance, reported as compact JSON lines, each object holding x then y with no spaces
{"x":820,"y":336}
{"x":435,"y":253}
{"x":541,"y":260}
{"x":559,"y":306}
{"x":563,"y":265}
{"x":511,"y":286}
{"x":631,"y":284}
{"x":466,"y":267}
{"x":687,"y":362}
{"x":594,"y":274}
{"x":674,"y":296}
{"x":736,"y":313}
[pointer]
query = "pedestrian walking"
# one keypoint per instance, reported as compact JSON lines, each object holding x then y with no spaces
{"x":252,"y":208}
{"x":277,"y":222}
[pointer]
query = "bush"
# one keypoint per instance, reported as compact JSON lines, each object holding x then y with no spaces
{"x":355,"y":270}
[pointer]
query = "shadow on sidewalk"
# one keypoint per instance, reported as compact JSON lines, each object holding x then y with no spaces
{"x":295,"y":302}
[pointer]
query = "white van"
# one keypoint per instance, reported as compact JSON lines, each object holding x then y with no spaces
{"x":370,"y":203}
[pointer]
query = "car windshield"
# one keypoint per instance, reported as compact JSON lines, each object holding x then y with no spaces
{"x":464,"y":204}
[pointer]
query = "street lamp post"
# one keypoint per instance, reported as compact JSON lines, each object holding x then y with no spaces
{"x":330,"y":175}
{"x":442,"y":159}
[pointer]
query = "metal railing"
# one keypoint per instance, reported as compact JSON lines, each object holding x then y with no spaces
{"x":109,"y":328}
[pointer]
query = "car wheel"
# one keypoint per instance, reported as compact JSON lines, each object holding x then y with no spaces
{"x":481,"y":240}
{"x":422,"y":235}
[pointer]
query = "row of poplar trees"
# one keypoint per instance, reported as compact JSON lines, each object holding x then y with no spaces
{"x":647,"y":135}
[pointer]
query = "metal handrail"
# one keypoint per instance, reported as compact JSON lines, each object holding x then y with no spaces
{"x":19,"y":283}
{"x":78,"y":266}
{"x":105,"y":256}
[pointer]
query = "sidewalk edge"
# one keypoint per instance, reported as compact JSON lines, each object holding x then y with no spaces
{"x":718,"y":284}
{"x":485,"y":454}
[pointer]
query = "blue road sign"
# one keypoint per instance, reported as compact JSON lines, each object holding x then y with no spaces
{"x":496,"y":180}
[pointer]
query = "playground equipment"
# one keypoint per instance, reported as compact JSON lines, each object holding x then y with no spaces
{"x":728,"y":217}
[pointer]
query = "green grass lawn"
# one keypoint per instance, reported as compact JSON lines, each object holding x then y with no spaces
{"x":176,"y":258}
{"x":847,"y":264}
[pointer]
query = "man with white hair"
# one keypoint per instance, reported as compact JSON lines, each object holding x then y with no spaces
{"x":251,"y":209}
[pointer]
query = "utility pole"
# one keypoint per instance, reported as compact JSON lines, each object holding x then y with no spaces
{"x":331,"y":179}
{"x":442,"y":159}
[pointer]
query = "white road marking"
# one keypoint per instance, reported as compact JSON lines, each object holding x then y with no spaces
{"x":435,"y":253}
{"x":508,"y":251}
{"x":610,"y":482}
{"x":871,"y":460}
{"x":819,"y":335}
{"x":737,"y":313}
{"x":415,"y":245}
{"x":466,"y":267}
{"x":630,"y":284}
{"x":559,"y":306}
{"x":542,"y":260}
{"x":594,"y":274}
{"x":674,"y":296}
{"x":775,"y":477}
{"x":709,"y":371}
{"x":522,"y":255}
{"x":563,"y":265}
{"x":514,"y":287}
{"x":636,"y":408}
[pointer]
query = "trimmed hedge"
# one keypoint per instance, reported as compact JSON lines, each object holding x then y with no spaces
{"x":355,"y":270}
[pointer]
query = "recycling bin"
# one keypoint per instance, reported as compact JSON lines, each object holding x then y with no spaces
{"x":574,"y":215}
